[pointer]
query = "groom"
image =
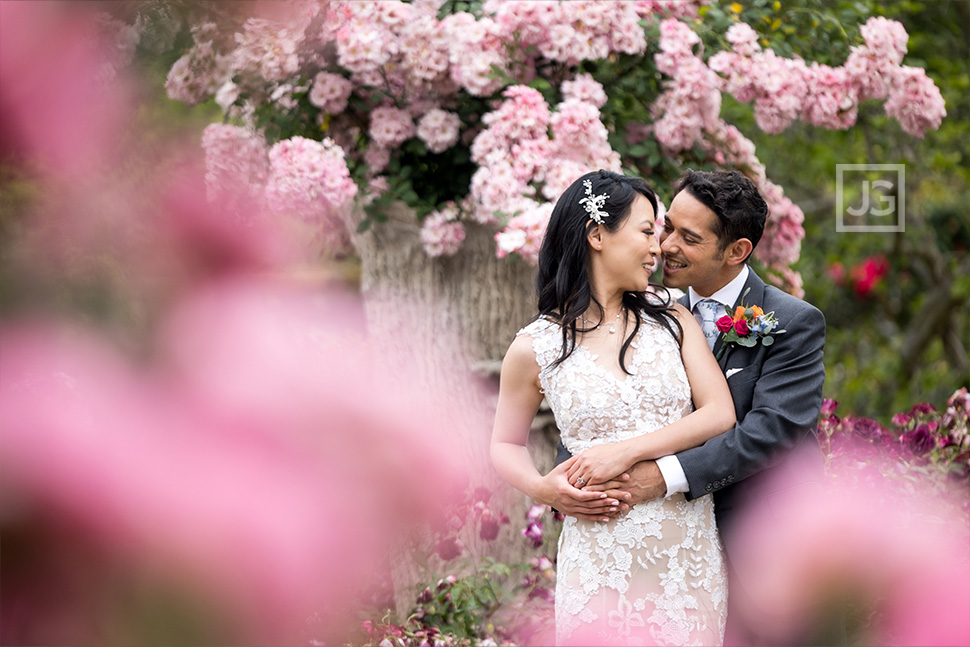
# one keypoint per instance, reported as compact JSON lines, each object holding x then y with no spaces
{"x":714,"y":223}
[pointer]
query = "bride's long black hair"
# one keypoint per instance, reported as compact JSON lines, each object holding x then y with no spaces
{"x":562,"y":283}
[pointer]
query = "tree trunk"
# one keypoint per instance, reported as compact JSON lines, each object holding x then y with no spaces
{"x":463,"y":311}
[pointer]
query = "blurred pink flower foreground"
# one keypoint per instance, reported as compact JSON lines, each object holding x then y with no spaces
{"x":251,"y":456}
{"x":897,"y":563}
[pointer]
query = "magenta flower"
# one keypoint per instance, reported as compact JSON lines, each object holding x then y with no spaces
{"x":741,"y":327}
{"x":902,"y":419}
{"x":829,"y":406}
{"x":924,"y":408}
{"x":425,"y":596}
{"x":725,"y":323}
{"x":868,"y":429}
{"x":489,"y":526}
{"x":448,"y":549}
{"x":535,"y":513}
{"x":919,"y":441}
{"x":533,"y":532}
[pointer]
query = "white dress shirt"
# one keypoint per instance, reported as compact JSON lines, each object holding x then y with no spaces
{"x":670,"y":467}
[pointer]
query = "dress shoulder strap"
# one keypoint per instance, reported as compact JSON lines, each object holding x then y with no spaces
{"x":546,"y":340}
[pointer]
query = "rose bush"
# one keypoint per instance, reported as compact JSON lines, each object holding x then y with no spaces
{"x":922,"y":447}
{"x":496,"y":106}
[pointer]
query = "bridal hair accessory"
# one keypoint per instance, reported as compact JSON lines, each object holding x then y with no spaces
{"x":594,"y":203}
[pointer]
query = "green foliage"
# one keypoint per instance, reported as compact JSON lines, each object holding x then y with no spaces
{"x":493,"y":601}
{"x":823,"y":28}
{"x":449,"y":7}
{"x":906,"y":340}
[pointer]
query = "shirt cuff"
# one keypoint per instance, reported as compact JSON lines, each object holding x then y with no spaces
{"x":673,"y":474}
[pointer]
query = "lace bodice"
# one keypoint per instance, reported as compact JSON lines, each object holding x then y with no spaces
{"x":592,"y":405}
{"x":656,"y":574}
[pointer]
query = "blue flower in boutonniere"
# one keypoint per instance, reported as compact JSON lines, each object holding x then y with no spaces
{"x":747,"y":326}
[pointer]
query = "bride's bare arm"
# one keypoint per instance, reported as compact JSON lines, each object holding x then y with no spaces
{"x":713,"y":414}
{"x":519,"y":399}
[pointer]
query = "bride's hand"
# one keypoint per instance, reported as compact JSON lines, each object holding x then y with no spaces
{"x":600,"y":464}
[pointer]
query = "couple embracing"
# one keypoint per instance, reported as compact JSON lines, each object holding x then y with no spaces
{"x":673,"y":415}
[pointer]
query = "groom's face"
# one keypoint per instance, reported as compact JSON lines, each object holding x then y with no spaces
{"x":690,"y":247}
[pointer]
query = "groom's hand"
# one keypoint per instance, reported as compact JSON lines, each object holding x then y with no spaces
{"x":559,"y":493}
{"x":643,"y":482}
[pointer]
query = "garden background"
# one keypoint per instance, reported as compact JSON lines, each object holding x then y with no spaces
{"x":260,"y":262}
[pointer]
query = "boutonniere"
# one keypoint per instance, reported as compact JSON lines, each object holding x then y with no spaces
{"x":747,"y":326}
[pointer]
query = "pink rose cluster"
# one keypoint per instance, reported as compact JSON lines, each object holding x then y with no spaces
{"x":308,"y":179}
{"x":399,"y":45}
{"x":527,"y":155}
{"x":268,"y":49}
{"x":405,"y":50}
{"x":330,"y":92}
{"x":523,"y":234}
{"x":781,"y":242}
{"x":438,"y":129}
{"x":200,"y":72}
{"x":297,"y":177}
{"x":441,"y":231}
{"x":390,"y":126}
{"x":409,"y":63}
{"x":571,"y":32}
{"x":784,"y":90}
{"x":691,"y":101}
{"x":477,"y":50}
{"x":236,"y":168}
{"x":264,"y":51}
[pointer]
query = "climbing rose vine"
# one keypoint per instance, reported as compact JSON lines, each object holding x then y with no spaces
{"x":485,"y":117}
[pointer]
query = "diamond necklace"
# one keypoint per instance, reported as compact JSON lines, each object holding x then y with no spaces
{"x":612,"y":324}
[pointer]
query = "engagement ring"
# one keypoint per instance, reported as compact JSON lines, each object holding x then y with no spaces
{"x":580,"y":481}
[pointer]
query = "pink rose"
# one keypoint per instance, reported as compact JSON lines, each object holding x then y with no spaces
{"x":741,"y":327}
{"x":724,"y":323}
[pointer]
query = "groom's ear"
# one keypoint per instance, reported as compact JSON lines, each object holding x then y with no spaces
{"x":738,"y":251}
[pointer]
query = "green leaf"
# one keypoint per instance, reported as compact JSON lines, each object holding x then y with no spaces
{"x":767,"y":341}
{"x":364,"y":225}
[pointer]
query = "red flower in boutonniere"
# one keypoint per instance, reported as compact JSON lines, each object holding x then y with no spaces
{"x":747,"y":325}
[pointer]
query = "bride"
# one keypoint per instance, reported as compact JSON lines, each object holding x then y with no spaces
{"x":628,"y":378}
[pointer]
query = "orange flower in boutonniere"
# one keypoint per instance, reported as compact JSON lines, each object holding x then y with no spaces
{"x":747,"y":326}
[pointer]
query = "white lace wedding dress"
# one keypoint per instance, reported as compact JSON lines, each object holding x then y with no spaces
{"x":655,"y":575}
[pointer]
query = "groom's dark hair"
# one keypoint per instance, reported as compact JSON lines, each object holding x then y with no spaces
{"x":741,"y":211}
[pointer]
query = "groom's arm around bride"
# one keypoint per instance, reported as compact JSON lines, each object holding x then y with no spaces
{"x":714,"y":222}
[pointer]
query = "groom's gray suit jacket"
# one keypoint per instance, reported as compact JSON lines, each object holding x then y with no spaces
{"x":777,"y":393}
{"x":777,"y":398}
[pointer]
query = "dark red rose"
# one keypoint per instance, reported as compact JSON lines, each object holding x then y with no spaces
{"x":489,"y":528}
{"x":920,"y":441}
{"x":724,"y":323}
{"x":741,"y":327}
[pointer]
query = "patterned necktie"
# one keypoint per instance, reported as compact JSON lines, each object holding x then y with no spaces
{"x":707,"y":312}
